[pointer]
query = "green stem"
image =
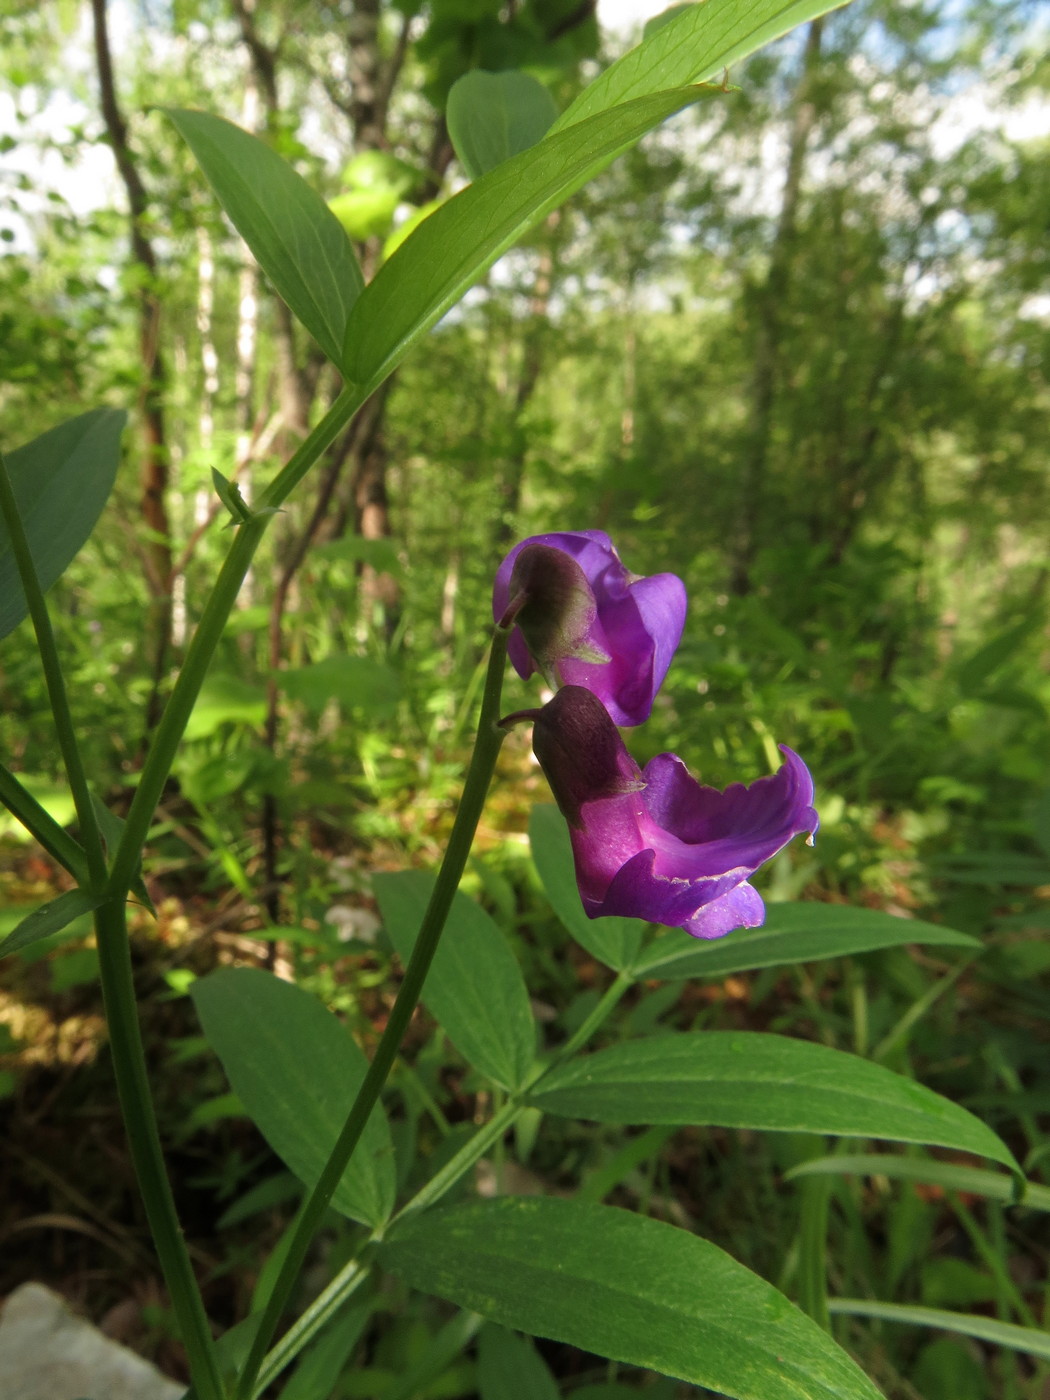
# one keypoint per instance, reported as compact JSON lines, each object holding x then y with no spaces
{"x":610,"y":997}
{"x":40,"y":824}
{"x":335,"y":1294}
{"x":209,"y":631}
{"x":482,"y":765}
{"x":111,"y":929}
{"x":129,"y":1064}
{"x":501,"y":1123}
{"x":470,"y":1153}
{"x":65,"y":730}
{"x":320,"y":1312}
{"x":331,"y":425}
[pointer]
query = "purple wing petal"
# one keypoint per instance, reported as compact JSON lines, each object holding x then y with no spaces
{"x":641,"y":626}
{"x":662,"y":604}
{"x":740,"y":908}
{"x":639,"y":891}
{"x":606,"y":844}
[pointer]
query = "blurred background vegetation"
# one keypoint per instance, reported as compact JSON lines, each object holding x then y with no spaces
{"x":793,"y":348}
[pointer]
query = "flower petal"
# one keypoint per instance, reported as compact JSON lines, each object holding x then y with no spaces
{"x":583,"y":756}
{"x":638,"y":891}
{"x":622,"y":652}
{"x":740,"y":908}
{"x":707,"y":832}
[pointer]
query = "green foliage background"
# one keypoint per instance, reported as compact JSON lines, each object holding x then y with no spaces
{"x":792,"y":348}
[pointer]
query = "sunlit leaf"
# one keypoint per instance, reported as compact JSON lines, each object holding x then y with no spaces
{"x":61,"y":482}
{"x":296,"y":1071}
{"x":298,"y":242}
{"x":626,"y":1287}
{"x":746,"y":1079}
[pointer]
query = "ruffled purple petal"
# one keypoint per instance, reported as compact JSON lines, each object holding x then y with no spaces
{"x":706,"y":832}
{"x":681,"y":854}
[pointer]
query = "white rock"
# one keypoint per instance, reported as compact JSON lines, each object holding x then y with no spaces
{"x":48,"y":1353}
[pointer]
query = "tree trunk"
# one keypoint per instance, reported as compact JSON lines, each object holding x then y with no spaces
{"x":770,"y":299}
{"x":295,"y":387}
{"x":533,"y":352}
{"x":153,"y":472}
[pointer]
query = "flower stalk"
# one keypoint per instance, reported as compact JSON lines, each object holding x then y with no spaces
{"x":479,"y":776}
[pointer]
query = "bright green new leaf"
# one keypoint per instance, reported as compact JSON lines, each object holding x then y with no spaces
{"x":297,"y":240}
{"x":50,"y":918}
{"x":744,"y":1079}
{"x":986,"y":1329}
{"x":613,"y":941}
{"x":493,"y":116}
{"x":296,"y":1070}
{"x":792,"y":933}
{"x":474,"y":989}
{"x":61,"y":481}
{"x":696,"y":44}
{"x":626,"y":1287}
{"x":229,"y":493}
{"x":450,"y":250}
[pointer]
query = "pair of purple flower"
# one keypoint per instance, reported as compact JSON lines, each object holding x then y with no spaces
{"x":652,"y":844}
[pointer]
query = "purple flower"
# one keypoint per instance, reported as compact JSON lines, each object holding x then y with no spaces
{"x":583,"y":620}
{"x":658,"y":845}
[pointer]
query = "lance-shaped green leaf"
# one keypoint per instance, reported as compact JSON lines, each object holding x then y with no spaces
{"x":111,"y":828}
{"x":474,"y":988}
{"x":50,"y":918}
{"x":613,"y":941}
{"x":296,"y":239}
{"x":952,"y":1176}
{"x":987,"y":1329}
{"x":792,"y":933}
{"x":626,"y":1287}
{"x":296,"y":1071}
{"x":61,"y":481}
{"x":451,"y":249}
{"x":745,"y":1079}
{"x":692,"y":46}
{"x":510,"y":1368}
{"x":493,"y":116}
